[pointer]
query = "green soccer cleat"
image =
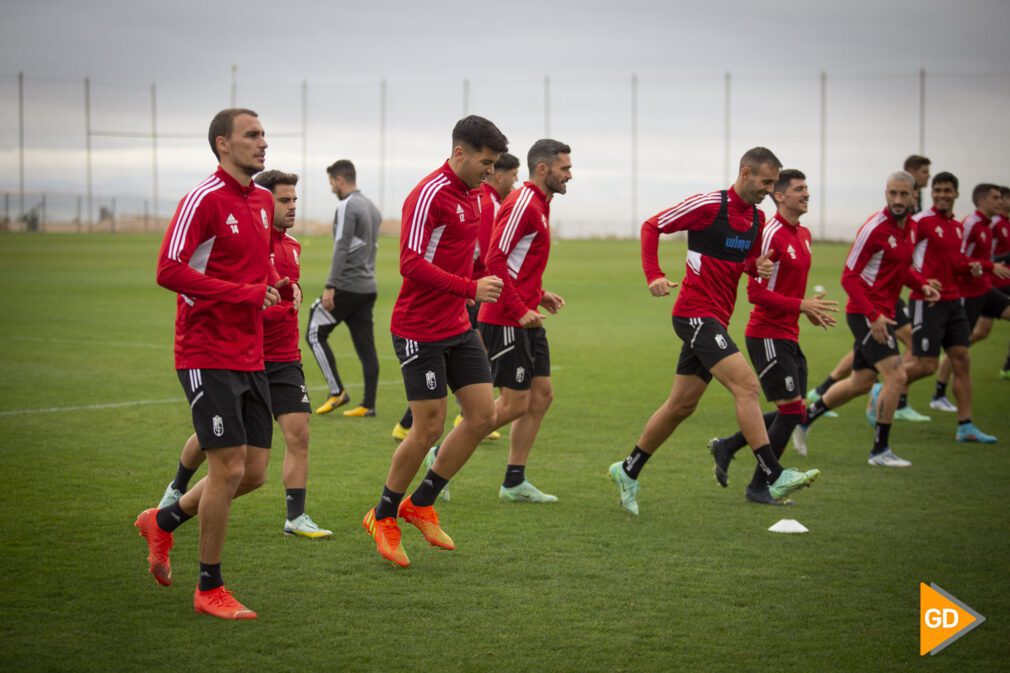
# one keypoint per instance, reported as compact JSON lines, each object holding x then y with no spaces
{"x":627,"y":486}
{"x":171,"y":496}
{"x":871,"y":407}
{"x":791,"y":480}
{"x":813,"y":396}
{"x":907,"y":413}
{"x":304,"y":526}
{"x":971,"y":433}
{"x":525,"y":492}
{"x":1004,"y":374}
{"x":429,"y":460}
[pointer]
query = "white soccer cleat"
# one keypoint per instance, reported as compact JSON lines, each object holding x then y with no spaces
{"x":942,"y":404}
{"x":170,"y":497}
{"x":800,"y":439}
{"x":888,"y":459}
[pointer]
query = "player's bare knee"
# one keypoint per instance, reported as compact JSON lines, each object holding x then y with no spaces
{"x":542,"y":400}
{"x":482,"y":421}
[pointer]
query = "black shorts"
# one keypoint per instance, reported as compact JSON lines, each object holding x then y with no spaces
{"x":427,"y":367}
{"x":942,"y":324}
{"x":867,"y":352}
{"x":288,"y":394}
{"x":706,"y":343}
{"x":471,"y":312}
{"x":901,"y":314}
{"x":229,"y":408}
{"x":781,"y":367}
{"x":991,"y":305}
{"x":516,"y":354}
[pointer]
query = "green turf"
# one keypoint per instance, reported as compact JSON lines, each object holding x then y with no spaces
{"x":695,"y":583}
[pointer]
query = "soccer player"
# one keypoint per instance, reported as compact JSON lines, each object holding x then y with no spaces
{"x":937,"y":255}
{"x":918,"y":167}
{"x":350,"y":292}
{"x":773,"y":330}
{"x":512,"y":328}
{"x":877,"y":266}
{"x":981,"y":299}
{"x":723,"y":227}
{"x":289,"y":399}
{"x":216,"y":256}
{"x":493,"y":191}
{"x":432,"y":336}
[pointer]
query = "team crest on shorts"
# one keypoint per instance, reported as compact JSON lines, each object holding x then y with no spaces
{"x":520,"y":374}
{"x":720,"y":341}
{"x":925,"y":344}
{"x":790,"y":385}
{"x":218,"y":426}
{"x":263,"y":216}
{"x":429,"y":379}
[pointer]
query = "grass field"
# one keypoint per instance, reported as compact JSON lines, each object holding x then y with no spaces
{"x":92,"y":419}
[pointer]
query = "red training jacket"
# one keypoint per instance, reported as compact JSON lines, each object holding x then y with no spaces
{"x":777,"y":300}
{"x":280,"y":321}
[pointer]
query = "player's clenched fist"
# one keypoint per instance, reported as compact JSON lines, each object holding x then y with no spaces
{"x":661,"y":286}
{"x":489,"y":289}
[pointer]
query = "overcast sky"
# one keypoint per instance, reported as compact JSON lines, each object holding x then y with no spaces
{"x":871,"y":51}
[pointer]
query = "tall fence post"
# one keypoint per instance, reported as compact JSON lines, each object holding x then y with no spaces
{"x":234,"y":85}
{"x":726,"y":119}
{"x":922,"y":111}
{"x":822,"y":195}
{"x":305,"y":153}
{"x":154,"y":154}
{"x":547,"y":106}
{"x":634,"y":154}
{"x":87,"y":145}
{"x":78,"y":220}
{"x":466,"y":97}
{"x":382,"y":145}
{"x":21,"y":144}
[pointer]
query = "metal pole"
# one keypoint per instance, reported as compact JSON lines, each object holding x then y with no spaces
{"x":547,"y":106}
{"x":822,"y":195}
{"x":154,"y":152}
{"x":234,"y":84}
{"x":21,"y":144}
{"x":147,"y":214}
{"x":922,"y":111}
{"x":726,"y":96}
{"x":87,"y":144}
{"x":466,"y":97}
{"x":382,"y":145}
{"x":112,"y":226}
{"x":305,"y":153}
{"x":78,"y":220}
{"x":42,"y":220}
{"x":634,"y":155}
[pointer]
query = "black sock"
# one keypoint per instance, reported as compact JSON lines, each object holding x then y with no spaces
{"x":514,"y":475}
{"x":941,"y":390}
{"x":768,"y":463}
{"x":389,"y":504}
{"x":816,"y":410}
{"x":171,"y":517}
{"x":736,"y":442}
{"x":825,"y":384}
{"x":182,"y":476}
{"x":210,"y":576}
{"x":966,"y":421}
{"x":781,"y":430}
{"x":1006,"y":363}
{"x":757,"y":481}
{"x":634,"y":463}
{"x":294,"y":499}
{"x":407,"y":420}
{"x":902,"y":401}
{"x":428,"y":489}
{"x":881,"y":438}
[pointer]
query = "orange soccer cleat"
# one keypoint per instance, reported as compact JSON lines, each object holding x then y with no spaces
{"x":386,"y":534}
{"x":425,"y":519}
{"x":220,"y":603}
{"x":159,"y":543}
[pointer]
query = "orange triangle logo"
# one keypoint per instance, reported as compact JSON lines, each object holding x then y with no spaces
{"x":942,"y":619}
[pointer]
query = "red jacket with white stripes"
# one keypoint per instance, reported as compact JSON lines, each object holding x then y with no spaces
{"x":280,"y":321}
{"x":438,"y":235}
{"x":1000,"y":244}
{"x":879,"y":263}
{"x":710,"y":284}
{"x":937,"y":252}
{"x":977,"y":245}
{"x":777,"y":300}
{"x":520,"y":246}
{"x":216,"y":255}
{"x":489,"y":204}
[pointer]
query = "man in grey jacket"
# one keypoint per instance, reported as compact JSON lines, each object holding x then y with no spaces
{"x":350,"y":291}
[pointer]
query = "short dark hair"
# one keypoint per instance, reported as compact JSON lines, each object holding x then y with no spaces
{"x":1004,"y":191}
{"x":222,"y":124}
{"x":786,"y":176}
{"x":544,"y":151}
{"x":945,"y":177}
{"x":343,"y":168}
{"x":271,"y":179}
{"x":981,"y":190}
{"x":756,"y":156}
{"x":916,"y":161}
{"x":506,"y":162}
{"x":476,"y":132}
